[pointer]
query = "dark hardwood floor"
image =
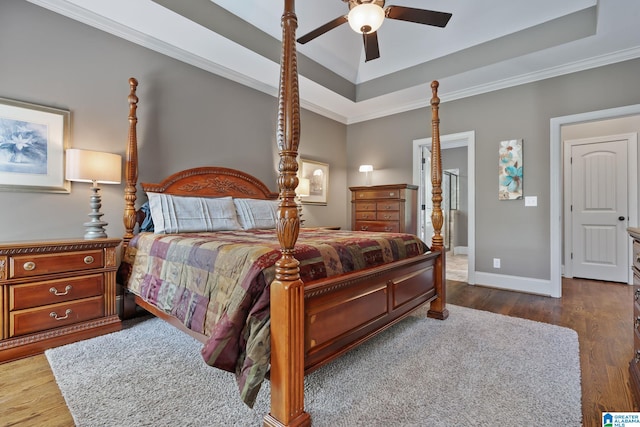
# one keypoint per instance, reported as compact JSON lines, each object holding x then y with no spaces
{"x":601,"y":313}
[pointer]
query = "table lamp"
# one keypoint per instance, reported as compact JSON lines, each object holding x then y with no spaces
{"x":94,"y":167}
{"x":302,"y":190}
{"x":368,"y":171}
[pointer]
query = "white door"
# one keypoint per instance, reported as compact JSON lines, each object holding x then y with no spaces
{"x":599,"y":210}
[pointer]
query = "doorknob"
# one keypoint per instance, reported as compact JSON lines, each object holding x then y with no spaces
{"x":621,"y":218}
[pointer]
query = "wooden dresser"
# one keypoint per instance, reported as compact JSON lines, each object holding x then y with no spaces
{"x":55,"y":293}
{"x":391,"y":208}
{"x":634,"y":365}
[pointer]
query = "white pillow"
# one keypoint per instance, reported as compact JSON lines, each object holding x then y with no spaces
{"x":177,"y":214}
{"x":255,"y":213}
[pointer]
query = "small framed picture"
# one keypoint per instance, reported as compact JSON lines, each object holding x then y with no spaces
{"x":318,"y":175}
{"x":33,"y":139}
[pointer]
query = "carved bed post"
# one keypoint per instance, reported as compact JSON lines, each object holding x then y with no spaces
{"x":287,"y":290}
{"x":131,"y":167}
{"x":438,"y":308}
{"x":127,"y":303}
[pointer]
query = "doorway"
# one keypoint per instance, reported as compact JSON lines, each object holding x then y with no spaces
{"x":599,"y":187}
{"x":556,"y":184}
{"x":421,"y":178}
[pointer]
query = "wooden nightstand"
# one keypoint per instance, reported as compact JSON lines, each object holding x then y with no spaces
{"x":55,"y":293}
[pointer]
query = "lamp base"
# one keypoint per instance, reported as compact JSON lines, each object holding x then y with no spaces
{"x":95,"y":227}
{"x":95,"y":230}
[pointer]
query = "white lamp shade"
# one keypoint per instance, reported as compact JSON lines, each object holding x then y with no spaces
{"x":304,"y":187}
{"x":366,"y":15}
{"x":90,"y":166}
{"x":366,"y":168}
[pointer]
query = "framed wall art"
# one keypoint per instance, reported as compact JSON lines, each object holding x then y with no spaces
{"x":510,"y":170}
{"x":318,"y":175}
{"x":33,"y":139}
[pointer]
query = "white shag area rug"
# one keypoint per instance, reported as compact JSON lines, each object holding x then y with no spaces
{"x":473,"y":369}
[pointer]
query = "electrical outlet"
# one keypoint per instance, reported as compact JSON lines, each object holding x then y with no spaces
{"x":496,"y":263}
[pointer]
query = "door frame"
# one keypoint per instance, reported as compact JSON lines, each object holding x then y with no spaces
{"x":555,"y":185}
{"x":632,"y":193}
{"x":461,"y":139}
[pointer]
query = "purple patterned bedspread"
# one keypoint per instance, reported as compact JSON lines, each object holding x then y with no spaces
{"x":217,"y":284}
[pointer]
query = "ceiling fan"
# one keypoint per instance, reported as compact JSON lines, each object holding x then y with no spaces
{"x":366,"y":16}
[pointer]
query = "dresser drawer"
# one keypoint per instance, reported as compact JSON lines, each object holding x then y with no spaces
{"x":366,"y":206}
{"x":388,"y":206}
{"x":384,"y":226}
{"x":366,"y":215}
{"x":30,"y":295}
{"x":55,"y":315}
{"x":388,"y":215}
{"x":35,"y":265}
{"x":636,"y":254}
{"x":378,"y":194}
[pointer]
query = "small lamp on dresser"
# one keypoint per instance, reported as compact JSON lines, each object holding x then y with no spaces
{"x":94,"y":167}
{"x":368,"y":172}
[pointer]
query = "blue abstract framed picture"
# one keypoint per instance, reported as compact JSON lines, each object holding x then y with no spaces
{"x":33,"y":139}
{"x":510,"y":177}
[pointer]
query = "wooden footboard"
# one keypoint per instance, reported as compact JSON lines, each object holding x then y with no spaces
{"x":346,"y":311}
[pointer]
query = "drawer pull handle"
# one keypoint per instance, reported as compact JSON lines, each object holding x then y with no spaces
{"x":88,"y":259}
{"x":637,"y":321}
{"x":637,"y":296}
{"x":54,"y":315}
{"x":387,"y":229}
{"x":364,"y":228}
{"x":55,"y":291}
{"x":387,"y":216}
{"x":637,"y":356}
{"x":29,"y":266}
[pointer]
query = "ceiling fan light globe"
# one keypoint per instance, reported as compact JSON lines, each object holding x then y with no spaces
{"x":366,"y":18}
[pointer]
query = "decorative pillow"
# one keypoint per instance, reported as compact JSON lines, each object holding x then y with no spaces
{"x":254,"y":213}
{"x":147,"y":223}
{"x":176,"y":214}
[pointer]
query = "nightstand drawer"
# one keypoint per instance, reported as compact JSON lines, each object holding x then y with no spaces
{"x":30,"y":295}
{"x":55,"y":315}
{"x":35,"y":265}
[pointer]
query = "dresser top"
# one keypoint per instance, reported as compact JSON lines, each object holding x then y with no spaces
{"x":384,"y":187}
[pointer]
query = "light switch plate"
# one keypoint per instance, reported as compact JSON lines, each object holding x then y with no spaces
{"x":531,"y":201}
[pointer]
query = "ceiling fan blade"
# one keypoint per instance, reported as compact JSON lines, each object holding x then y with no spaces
{"x":420,"y":16}
{"x":371,"y":49}
{"x":322,"y":29}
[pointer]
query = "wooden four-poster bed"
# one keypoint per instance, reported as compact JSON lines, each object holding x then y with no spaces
{"x":307,"y":324}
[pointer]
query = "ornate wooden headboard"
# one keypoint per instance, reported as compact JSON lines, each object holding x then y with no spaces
{"x":212,"y":182}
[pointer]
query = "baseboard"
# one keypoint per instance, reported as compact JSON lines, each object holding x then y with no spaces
{"x":460,"y":250}
{"x":514,"y":283}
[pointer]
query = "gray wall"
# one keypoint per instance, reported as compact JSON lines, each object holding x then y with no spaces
{"x":187,"y":118}
{"x":190,"y":118}
{"x":504,"y":229}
